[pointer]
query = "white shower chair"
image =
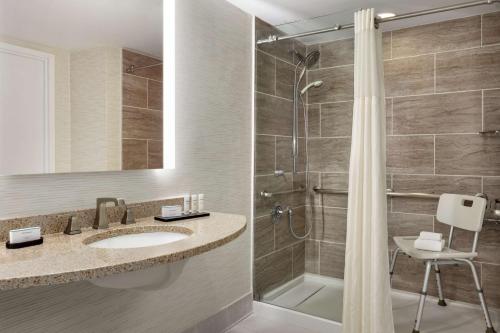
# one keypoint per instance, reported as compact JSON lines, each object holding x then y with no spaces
{"x":458,"y":211}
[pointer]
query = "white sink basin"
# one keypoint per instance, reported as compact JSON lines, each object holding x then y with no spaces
{"x":136,"y":240}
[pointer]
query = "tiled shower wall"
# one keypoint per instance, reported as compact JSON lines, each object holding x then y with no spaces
{"x":142,"y":120}
{"x":278,"y":256}
{"x":442,"y":86}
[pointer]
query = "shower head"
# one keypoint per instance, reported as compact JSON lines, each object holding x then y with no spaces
{"x":315,"y":84}
{"x":310,"y":60}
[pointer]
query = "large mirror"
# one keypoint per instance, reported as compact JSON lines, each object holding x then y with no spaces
{"x":81,"y":85}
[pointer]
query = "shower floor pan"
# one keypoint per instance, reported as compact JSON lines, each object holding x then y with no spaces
{"x":321,"y":297}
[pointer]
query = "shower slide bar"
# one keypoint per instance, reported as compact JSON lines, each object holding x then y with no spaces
{"x":275,"y":38}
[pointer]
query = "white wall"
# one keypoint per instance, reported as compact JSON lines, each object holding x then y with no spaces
{"x":213,"y":140}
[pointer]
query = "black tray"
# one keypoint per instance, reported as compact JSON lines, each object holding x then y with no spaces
{"x":181,"y":217}
{"x":24,"y":244}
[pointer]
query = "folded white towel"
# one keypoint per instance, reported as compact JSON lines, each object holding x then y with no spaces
{"x":429,"y":245}
{"x":426,"y":235}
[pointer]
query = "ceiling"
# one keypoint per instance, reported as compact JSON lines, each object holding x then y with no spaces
{"x":295,"y":16}
{"x":78,"y":24}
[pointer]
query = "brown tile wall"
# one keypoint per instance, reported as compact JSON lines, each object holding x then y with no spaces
{"x":442,"y":87}
{"x":142,"y":117}
{"x":278,"y":256}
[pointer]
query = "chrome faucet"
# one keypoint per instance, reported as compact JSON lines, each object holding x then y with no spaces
{"x":101,"y":219}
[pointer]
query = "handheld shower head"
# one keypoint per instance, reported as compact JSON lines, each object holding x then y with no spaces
{"x":315,"y":84}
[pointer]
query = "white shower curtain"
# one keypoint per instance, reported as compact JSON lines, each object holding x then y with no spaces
{"x":367,"y":299}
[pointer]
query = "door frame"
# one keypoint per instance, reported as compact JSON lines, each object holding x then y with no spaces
{"x":48,"y":63}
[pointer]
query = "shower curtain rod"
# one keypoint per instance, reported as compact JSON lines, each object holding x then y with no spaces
{"x":275,"y":38}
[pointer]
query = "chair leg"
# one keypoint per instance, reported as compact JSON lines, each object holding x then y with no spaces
{"x":441,"y":301}
{"x":393,"y":263}
{"x":489,"y":325}
{"x":423,"y":295}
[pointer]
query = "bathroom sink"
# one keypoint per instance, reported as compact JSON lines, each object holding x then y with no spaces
{"x":131,"y":238}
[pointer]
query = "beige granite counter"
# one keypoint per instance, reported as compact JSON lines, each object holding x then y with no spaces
{"x":63,"y":258}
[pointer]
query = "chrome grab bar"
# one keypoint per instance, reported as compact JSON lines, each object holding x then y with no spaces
{"x":390,"y":193}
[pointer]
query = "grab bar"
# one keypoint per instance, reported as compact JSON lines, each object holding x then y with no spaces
{"x":390,"y":193}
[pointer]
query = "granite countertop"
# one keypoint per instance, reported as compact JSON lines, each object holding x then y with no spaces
{"x":63,"y":258}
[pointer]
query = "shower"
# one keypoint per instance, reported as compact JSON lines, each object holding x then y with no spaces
{"x":305,"y":62}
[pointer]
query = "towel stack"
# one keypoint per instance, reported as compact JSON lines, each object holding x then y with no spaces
{"x":430,"y":241}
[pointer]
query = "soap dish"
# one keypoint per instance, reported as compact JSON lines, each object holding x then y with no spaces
{"x":24,"y":244}
{"x":181,"y":217}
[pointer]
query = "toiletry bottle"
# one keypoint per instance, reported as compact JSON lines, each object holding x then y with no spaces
{"x":201,"y":202}
{"x":187,"y":204}
{"x":194,"y":203}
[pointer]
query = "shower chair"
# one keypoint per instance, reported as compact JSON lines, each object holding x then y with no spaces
{"x":458,"y":211}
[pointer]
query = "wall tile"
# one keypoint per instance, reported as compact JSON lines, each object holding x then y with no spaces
{"x":281,"y":49}
{"x":313,"y":111}
{"x":491,"y":109}
{"x":155,"y":154}
{"x":263,"y":236}
{"x":410,"y":154}
{"x":489,"y":243}
{"x":329,"y":155}
{"x":135,"y":91}
{"x":263,"y":206}
{"x":274,"y":115}
{"x":265,"y":149}
{"x":284,"y":159}
{"x":468,"y":69}
{"x":138,"y":60}
{"x":336,"y":119}
{"x":155,"y":95}
{"x":283,"y":236}
{"x":273,"y":270}
{"x":467,"y":155}
{"x":338,"y":85}
{"x":437,"y":37}
{"x":458,"y":283}
{"x":142,"y":124}
{"x":285,"y":79}
{"x":491,"y":28}
{"x":299,"y":257}
{"x":337,"y":53}
{"x":273,"y":184}
{"x":265,"y":69}
{"x":312,"y":256}
{"x":409,"y":274}
{"x":152,"y":72}
{"x":337,"y":181}
{"x":387,"y":44}
{"x":409,"y":76}
{"x":407,"y":225}
{"x":388,"y":116}
{"x":329,"y":224}
{"x":134,"y":154}
{"x":430,"y":184}
{"x":284,"y":154}
{"x":434,"y":114}
{"x":332,"y":260}
{"x":490,"y":274}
